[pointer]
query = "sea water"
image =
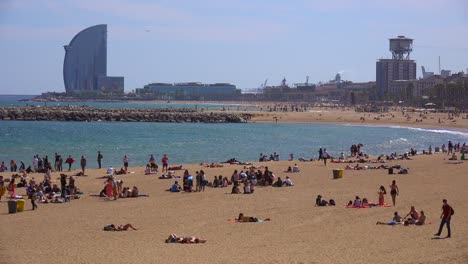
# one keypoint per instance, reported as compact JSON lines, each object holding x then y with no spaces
{"x":14,"y":100}
{"x":198,"y":142}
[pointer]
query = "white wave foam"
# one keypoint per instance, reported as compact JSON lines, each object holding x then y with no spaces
{"x":432,"y":130}
{"x":399,"y":140}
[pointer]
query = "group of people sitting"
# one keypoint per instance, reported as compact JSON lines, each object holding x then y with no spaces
{"x":358,"y":203}
{"x":114,"y":188}
{"x":412,"y":218}
{"x":322,"y":202}
{"x":295,"y":168}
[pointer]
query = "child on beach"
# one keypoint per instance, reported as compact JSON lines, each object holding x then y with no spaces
{"x":382,"y":192}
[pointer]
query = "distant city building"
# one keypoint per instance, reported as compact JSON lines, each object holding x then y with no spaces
{"x":426,"y":74}
{"x":85,"y":63}
{"x":190,"y":90}
{"x":445,"y":73}
{"x":400,"y":67}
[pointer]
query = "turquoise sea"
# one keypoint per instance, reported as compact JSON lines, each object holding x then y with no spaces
{"x":13,"y":100}
{"x":195,"y":143}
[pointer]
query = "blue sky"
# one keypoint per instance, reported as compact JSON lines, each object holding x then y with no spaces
{"x":241,"y":42}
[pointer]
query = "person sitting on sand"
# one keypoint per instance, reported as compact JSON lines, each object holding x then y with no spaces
{"x":395,"y":221}
{"x":320,"y":202}
{"x":235,"y":188}
{"x":357,"y":202}
{"x":110,"y":171}
{"x":247,"y":188}
{"x":288,"y":182}
{"x":175,"y":187}
{"x":112,"y":227}
{"x":454,"y":157}
{"x":278,"y":183}
{"x":173,"y":238}
{"x":365,"y":203}
{"x":216,"y":182}
{"x":419,"y":221}
{"x":295,"y":168}
{"x":148,"y":170}
{"x":289,"y":169}
{"x":135,"y":192}
{"x":413,"y":215}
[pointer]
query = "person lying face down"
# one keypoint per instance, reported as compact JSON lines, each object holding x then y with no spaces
{"x":173,"y":238}
{"x":112,"y":227}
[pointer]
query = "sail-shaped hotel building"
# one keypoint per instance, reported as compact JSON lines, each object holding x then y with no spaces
{"x":85,"y":64}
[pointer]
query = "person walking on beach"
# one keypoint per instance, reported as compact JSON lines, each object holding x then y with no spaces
{"x":33,"y":197}
{"x":36,"y":163}
{"x":320,"y":153}
{"x":394,"y":191}
{"x":125,"y":161}
{"x":60,"y":164}
{"x":99,"y":158}
{"x":450,"y":148}
{"x":83,"y":164}
{"x":325,"y":156}
{"x":69,"y":161}
{"x":446,"y":216}
{"x":165,"y":162}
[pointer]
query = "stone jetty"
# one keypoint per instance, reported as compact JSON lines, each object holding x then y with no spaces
{"x":88,"y":114}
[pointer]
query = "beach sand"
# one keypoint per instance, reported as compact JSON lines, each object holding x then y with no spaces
{"x":297,"y":233}
{"x":349,"y":116}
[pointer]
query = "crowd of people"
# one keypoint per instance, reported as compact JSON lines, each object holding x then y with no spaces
{"x":47,"y":190}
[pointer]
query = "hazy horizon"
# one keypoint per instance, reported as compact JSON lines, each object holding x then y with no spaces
{"x":241,"y":42}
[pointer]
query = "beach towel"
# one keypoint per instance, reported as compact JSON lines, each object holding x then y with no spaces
{"x":385,"y":205}
{"x":356,"y":207}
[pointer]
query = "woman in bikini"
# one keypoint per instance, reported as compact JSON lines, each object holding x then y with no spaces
{"x":381,"y":193}
{"x":394,"y":191}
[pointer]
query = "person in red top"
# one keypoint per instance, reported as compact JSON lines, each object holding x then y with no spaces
{"x":164,"y":162}
{"x":446,"y":217}
{"x":69,"y":161}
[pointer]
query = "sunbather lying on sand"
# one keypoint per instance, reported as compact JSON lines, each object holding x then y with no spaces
{"x":173,"y":238}
{"x":245,"y":219}
{"x":112,"y":227}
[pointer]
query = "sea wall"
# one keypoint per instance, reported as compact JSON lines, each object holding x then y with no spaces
{"x":87,"y":114}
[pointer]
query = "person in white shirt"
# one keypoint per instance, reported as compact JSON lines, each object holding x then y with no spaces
{"x":295,"y":168}
{"x":288,"y":182}
{"x":110,"y":170}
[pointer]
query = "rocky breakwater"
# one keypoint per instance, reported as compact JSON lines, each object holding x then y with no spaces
{"x":87,"y":114}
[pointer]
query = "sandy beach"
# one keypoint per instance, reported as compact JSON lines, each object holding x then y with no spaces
{"x":396,"y":116}
{"x":349,"y":116}
{"x":298,"y":231}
